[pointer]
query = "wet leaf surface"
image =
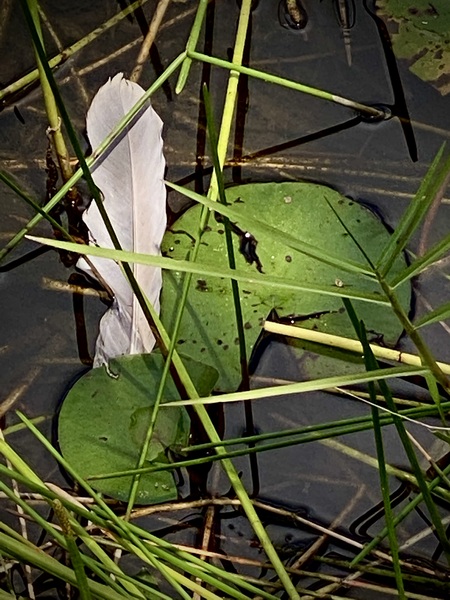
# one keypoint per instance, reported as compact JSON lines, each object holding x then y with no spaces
{"x":208,"y":331}
{"x":104,"y":419}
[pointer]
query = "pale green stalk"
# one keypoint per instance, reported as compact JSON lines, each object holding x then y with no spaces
{"x":305,"y":386}
{"x":203,"y":415}
{"x":370,"y":111}
{"x":231,"y":94}
{"x":49,"y":100}
{"x":38,"y":558}
{"x":188,"y":266}
{"x":349,"y":344}
{"x":191,"y":44}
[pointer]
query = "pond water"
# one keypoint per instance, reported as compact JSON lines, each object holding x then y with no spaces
{"x":281,"y":135}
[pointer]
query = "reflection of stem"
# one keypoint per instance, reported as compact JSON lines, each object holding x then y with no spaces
{"x":29,"y":78}
{"x":149,"y":39}
{"x":25,"y":383}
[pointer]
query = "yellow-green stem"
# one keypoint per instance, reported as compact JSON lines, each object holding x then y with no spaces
{"x":50,"y":104}
{"x":230,"y":96}
{"x":424,"y":352}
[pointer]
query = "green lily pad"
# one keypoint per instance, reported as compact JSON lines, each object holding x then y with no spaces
{"x":422,"y":37}
{"x":208,"y":330}
{"x":104,"y":419}
{"x":166,"y":434}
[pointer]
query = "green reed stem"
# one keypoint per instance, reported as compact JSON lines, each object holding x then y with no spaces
{"x":49,"y":99}
{"x":227,"y":464}
{"x":191,"y":45}
{"x":190,"y":267}
{"x":370,"y":111}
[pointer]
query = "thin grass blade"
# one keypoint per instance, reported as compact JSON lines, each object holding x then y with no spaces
{"x":191,"y":45}
{"x":439,"y":314}
{"x":433,"y":181}
{"x":407,"y":445}
{"x":259,"y":227}
{"x":370,"y":111}
{"x":307,"y":386}
{"x":74,"y":553}
{"x":424,"y":262}
{"x":206,"y":269}
{"x":371,"y":364}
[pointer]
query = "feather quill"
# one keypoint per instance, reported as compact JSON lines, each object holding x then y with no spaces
{"x":130,"y":176}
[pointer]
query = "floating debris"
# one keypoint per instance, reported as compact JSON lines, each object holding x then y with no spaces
{"x":292,"y":14}
{"x":345,"y":13}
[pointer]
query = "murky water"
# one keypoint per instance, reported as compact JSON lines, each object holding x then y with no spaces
{"x":281,"y":135}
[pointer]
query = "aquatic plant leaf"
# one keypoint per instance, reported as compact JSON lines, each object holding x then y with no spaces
{"x":164,"y":436}
{"x":130,"y":177}
{"x":422,"y":37}
{"x":104,"y":419}
{"x":208,"y":330}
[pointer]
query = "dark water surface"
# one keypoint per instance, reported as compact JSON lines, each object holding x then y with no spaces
{"x":290,"y":137}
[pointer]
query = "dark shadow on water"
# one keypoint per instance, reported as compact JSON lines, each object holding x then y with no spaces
{"x":400,"y":108}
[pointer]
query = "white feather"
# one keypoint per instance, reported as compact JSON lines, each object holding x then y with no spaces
{"x":130,"y":176}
